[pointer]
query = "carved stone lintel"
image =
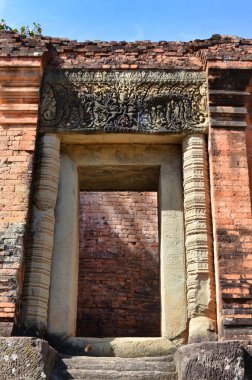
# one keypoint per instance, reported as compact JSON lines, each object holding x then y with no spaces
{"x":199,"y":255}
{"x":41,"y":234}
{"x":124,"y":101}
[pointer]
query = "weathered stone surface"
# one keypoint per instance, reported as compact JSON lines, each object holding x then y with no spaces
{"x":26,"y":358}
{"x":202,"y":329}
{"x":41,"y":235}
{"x":139,"y":348}
{"x":6,"y":328}
{"x":199,"y":254}
{"x":11,"y":251}
{"x":211,"y":361}
{"x":173,"y":298}
{"x":109,"y":375}
{"x":143,"y":102}
{"x":62,"y":309}
{"x":116,"y":368}
{"x":118,"y":347}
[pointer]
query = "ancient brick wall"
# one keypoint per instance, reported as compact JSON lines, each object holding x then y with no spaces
{"x":228,"y":63}
{"x":249,"y":131}
{"x":231,"y":202}
{"x":19,"y":97}
{"x":232,"y":215}
{"x":119,"y":265}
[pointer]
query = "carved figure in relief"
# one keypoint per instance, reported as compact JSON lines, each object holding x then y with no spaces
{"x":150,"y":102}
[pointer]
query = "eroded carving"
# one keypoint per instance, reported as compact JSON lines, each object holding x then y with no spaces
{"x":41,"y":234}
{"x":199,"y":255}
{"x":143,"y":101}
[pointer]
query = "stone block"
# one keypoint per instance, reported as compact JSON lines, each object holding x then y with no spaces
{"x":26,"y":358}
{"x":116,"y":347}
{"x":202,"y":329}
{"x":212,"y":361}
{"x":5,"y":328}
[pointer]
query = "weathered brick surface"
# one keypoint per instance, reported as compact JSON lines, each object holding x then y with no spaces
{"x":231,"y":201}
{"x":129,"y":55}
{"x":119,"y":265}
{"x":249,"y":131}
{"x":19,"y":89}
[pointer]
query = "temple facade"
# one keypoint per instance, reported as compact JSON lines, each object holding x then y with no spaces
{"x":125,"y":218}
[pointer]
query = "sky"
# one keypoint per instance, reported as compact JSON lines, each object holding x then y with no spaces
{"x":132,"y":20}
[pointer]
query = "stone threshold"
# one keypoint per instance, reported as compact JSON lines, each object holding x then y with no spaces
{"x":116,"y":347}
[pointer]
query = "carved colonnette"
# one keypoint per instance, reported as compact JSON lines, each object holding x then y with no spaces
{"x":41,"y":236}
{"x":199,"y":252}
{"x":124,"y":101}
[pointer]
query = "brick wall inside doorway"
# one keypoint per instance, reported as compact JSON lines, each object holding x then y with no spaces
{"x":118,"y":291}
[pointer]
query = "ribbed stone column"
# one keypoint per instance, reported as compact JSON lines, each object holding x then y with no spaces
{"x":199,"y":253}
{"x":41,"y":235}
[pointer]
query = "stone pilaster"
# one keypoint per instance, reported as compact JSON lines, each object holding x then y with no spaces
{"x":41,"y":235}
{"x":64,"y":270}
{"x":199,"y":255}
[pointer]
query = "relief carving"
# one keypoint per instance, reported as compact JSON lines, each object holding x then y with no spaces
{"x":199,"y":253}
{"x":126,"y":101}
{"x":41,"y":237}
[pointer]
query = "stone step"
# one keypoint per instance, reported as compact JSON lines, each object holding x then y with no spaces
{"x":98,"y":368}
{"x":165,"y":363}
{"x":111,"y":375}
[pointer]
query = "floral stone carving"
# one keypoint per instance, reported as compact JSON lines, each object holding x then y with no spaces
{"x":124,"y":101}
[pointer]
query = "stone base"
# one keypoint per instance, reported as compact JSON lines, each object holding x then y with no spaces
{"x":202,"y":329}
{"x":33,"y":359}
{"x":26,"y":358}
{"x":229,"y":360}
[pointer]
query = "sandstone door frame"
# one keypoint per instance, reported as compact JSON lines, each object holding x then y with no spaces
{"x":153,"y":108}
{"x":64,"y":273}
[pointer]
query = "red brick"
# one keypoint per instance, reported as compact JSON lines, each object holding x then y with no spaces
{"x":118,"y":259}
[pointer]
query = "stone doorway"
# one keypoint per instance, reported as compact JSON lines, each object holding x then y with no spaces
{"x":81,"y":169}
{"x":119,"y":266}
{"x":164,"y":128}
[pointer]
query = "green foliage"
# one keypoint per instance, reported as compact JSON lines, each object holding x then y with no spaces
{"x":27,"y":31}
{"x":3,"y":25}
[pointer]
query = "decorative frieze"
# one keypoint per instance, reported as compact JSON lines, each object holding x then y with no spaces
{"x":124,"y":101}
